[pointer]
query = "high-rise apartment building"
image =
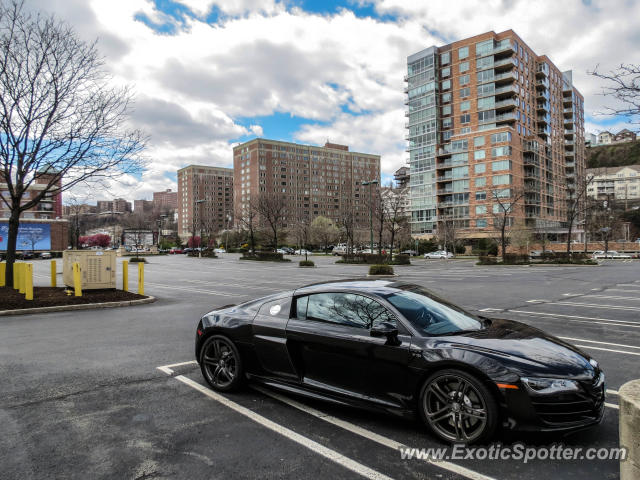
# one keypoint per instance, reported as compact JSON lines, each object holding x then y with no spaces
{"x":490,"y":118}
{"x":205,"y":200}
{"x":314,"y":181}
{"x":166,"y":200}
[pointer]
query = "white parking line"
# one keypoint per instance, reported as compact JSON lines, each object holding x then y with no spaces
{"x":590,"y":305}
{"x":607,"y":349}
{"x":363,"y":432}
{"x":598,"y":342}
{"x":621,"y":323}
{"x":614,"y":297}
{"x":306,"y":442}
{"x":189,"y":289}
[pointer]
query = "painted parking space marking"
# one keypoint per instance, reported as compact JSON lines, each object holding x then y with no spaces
{"x":607,"y":349}
{"x":598,"y":342}
{"x":363,"y":432}
{"x":190,"y":289}
{"x":581,"y":319}
{"x":587,"y":305}
{"x":306,"y":442}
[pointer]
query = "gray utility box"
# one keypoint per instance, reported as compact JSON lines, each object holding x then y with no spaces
{"x":97,"y":268}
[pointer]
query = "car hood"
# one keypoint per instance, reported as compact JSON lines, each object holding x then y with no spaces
{"x":524,"y":350}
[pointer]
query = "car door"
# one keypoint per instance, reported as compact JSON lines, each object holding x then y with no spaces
{"x":326,"y":345}
{"x":269,"y":338}
{"x":331,"y":347}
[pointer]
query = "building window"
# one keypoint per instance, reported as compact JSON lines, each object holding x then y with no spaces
{"x":501,"y":180}
{"x":446,"y":97}
{"x":464,"y":106}
{"x":478,"y":141}
{"x":465,"y":92}
{"x":445,"y":72}
{"x":481,"y":196}
{"x":481,"y":223}
{"x":480,"y":168}
{"x":466,"y":118}
{"x":446,"y":85}
{"x":481,"y":182}
{"x":463,"y":53}
{"x":501,"y":165}
{"x":464,"y":80}
{"x":446,"y":110}
{"x":445,"y":58}
{"x":464,"y":66}
{"x":481,"y":209}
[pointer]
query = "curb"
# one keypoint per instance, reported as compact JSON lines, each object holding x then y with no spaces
{"x":81,"y":306}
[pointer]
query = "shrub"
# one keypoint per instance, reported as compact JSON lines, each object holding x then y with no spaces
{"x":401,"y":259}
{"x":485,"y":260}
{"x":366,"y":258}
{"x":459,"y":249}
{"x":380,"y":270}
{"x":138,"y":260}
{"x":484,"y":247}
{"x":515,"y":259}
{"x":306,"y":263}
{"x":264,"y":257}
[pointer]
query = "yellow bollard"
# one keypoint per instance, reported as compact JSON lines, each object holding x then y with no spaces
{"x":140,"y":278}
{"x":125,"y":275}
{"x":3,"y":274}
{"x":28,"y":281}
{"x":23,"y":278}
{"x":16,"y":276}
{"x":53,"y":274}
{"x":77,"y":280}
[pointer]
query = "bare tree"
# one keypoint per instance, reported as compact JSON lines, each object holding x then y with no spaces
{"x":301,"y":230}
{"x":379,"y":217}
{"x":502,"y":212}
{"x":60,"y":123}
{"x":624,"y":86}
{"x":348,"y":226}
{"x":447,"y":233}
{"x":247,"y":215}
{"x":396,"y":218}
{"x":576,"y":205}
{"x":271,"y":208}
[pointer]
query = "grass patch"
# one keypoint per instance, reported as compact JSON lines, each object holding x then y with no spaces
{"x":380,"y":270}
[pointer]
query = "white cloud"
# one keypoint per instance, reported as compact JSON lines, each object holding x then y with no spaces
{"x":342,"y":72}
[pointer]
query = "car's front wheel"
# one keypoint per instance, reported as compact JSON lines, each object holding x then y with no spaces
{"x":457,"y":407}
{"x":221,"y":364}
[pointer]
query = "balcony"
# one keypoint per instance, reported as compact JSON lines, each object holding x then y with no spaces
{"x":502,"y":47}
{"x":449,"y":164}
{"x":542,"y":94}
{"x":569,"y":153}
{"x":506,"y":77}
{"x":542,"y":107}
{"x":568,"y":111}
{"x":570,"y":164}
{"x":542,"y":83}
{"x":569,"y":143}
{"x":544,"y":119}
{"x":506,"y":117}
{"x":445,"y":178}
{"x":511,"y":89}
{"x":569,"y":132}
{"x":568,"y":121}
{"x":505,"y":104}
{"x":504,"y":64}
{"x":542,"y":70}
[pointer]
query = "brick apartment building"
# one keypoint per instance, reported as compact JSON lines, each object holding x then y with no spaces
{"x":212,"y":185}
{"x":313,"y":180}
{"x":142,"y":206}
{"x":166,"y":200}
{"x":42,"y":228}
{"x":487,"y":116}
{"x":117,"y":205}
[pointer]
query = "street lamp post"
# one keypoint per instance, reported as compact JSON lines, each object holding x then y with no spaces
{"x":370,"y":182}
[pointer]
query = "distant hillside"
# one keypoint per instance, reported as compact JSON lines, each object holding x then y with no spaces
{"x":617,"y":155}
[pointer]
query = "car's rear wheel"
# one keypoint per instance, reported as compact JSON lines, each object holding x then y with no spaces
{"x":457,"y":407}
{"x":221,"y":364}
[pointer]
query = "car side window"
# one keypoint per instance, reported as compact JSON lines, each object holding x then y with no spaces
{"x":301,"y":307}
{"x":347,"y":309}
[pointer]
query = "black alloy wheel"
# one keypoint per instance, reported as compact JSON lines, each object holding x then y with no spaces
{"x":221,"y":364}
{"x":457,"y":407}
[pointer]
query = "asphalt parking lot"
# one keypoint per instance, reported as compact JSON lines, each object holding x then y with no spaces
{"x":114,"y":393}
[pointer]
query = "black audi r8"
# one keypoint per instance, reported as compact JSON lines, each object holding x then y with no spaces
{"x":394,"y":346}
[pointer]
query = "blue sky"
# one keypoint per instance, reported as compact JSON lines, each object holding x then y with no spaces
{"x":211,"y":73}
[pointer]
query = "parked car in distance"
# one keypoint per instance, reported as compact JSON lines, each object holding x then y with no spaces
{"x":281,"y":250}
{"x":45,"y":255}
{"x":302,"y":251}
{"x":288,"y":250}
{"x":219,"y":250}
{"x":340,"y":249}
{"x":609,"y":254}
{"x":439,"y":254}
{"x":175,"y":250}
{"x":413,"y":253}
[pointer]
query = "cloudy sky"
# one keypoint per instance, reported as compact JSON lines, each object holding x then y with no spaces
{"x":209,"y":74}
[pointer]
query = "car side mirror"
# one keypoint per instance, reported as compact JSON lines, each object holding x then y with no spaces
{"x":386,"y":329}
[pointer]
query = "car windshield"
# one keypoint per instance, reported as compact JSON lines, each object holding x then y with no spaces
{"x":430,"y":314}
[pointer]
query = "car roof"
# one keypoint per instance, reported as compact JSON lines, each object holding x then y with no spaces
{"x":377,"y":286}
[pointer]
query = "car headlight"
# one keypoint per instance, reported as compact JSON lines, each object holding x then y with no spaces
{"x":545,"y":386}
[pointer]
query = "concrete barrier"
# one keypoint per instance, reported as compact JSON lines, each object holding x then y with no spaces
{"x":629,"y":395}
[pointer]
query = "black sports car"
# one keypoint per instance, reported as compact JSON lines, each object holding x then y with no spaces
{"x":397,"y":347}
